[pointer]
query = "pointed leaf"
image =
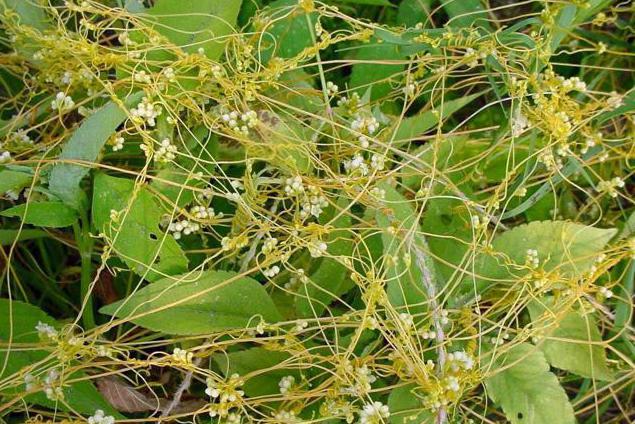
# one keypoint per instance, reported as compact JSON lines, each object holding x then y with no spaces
{"x":528,"y":393}
{"x":197,"y":304}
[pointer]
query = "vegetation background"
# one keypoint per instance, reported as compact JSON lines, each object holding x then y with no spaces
{"x":294,"y":211}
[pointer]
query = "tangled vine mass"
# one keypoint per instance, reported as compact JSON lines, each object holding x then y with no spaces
{"x":302,"y":211}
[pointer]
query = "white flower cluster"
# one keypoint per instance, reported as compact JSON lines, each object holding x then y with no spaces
{"x":62,"y":102}
{"x":117,"y":143}
{"x":269,"y":245}
{"x":247,"y":120}
{"x":406,"y":320}
{"x":573,"y":84}
{"x":182,"y":356}
{"x":50,"y":385}
{"x":317,"y":248}
{"x":166,"y":151}
{"x":474,"y":57}
{"x":142,"y":76}
{"x":286,"y":417}
{"x":363,"y":380}
{"x":427,"y":334}
{"x":202,"y":212}
{"x":520,"y":123}
{"x":606,"y":293}
{"x":377,"y":161}
{"x":374,"y":413}
{"x":22,"y":137}
{"x":5,"y":157}
{"x":531,"y":258}
{"x":286,"y":384}
{"x":183,"y":227}
{"x":293,"y":186}
{"x":331,"y":88}
{"x":271,"y":272}
{"x":101,"y":418}
{"x":226,"y":393}
{"x":460,"y":360}
{"x":356,"y":165}
{"x":591,"y":141}
{"x":611,"y":186}
{"x":452,"y":383}
{"x":615,"y":100}
{"x":46,"y":331}
{"x":366,"y":126}
{"x":313,"y":203}
{"x":410,"y":89}
{"x":146,"y":112}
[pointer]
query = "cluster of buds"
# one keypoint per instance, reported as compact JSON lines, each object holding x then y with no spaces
{"x":225,"y":394}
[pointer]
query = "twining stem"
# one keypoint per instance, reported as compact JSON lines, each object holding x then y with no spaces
{"x":85,"y":245}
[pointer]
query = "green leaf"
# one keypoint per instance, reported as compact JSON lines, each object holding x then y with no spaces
{"x":367,"y":2}
{"x":465,"y":13}
{"x":262,"y":369}
{"x":567,"y":247}
{"x":195,"y":24}
{"x":528,"y":393}
{"x":12,"y":236}
{"x":403,"y":276}
{"x":287,"y":37}
{"x":43,"y":214}
{"x":330,"y":280}
{"x":405,"y":407}
{"x":17,"y":326}
{"x":14,"y":180}
{"x":84,"y":146}
{"x":136,"y":237}
{"x":27,"y":13}
{"x":411,"y":127}
{"x":572,"y":341}
{"x":412,"y":12}
{"x":197,"y":303}
{"x":381,"y":66}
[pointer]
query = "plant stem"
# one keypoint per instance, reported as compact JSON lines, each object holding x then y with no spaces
{"x":85,"y":245}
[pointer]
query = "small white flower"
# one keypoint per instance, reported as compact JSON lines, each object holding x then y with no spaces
{"x":286,"y":383}
{"x":182,"y":356}
{"x":101,"y":418}
{"x":271,"y":272}
{"x":331,"y":88}
{"x":5,"y":157}
{"x":62,"y":102}
{"x":46,"y":331}
{"x":520,"y":123}
{"x":374,"y":413}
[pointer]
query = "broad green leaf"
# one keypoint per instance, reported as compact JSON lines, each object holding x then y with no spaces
{"x":379,"y":64}
{"x":466,"y":13}
{"x":285,"y":143}
{"x":17,"y":326}
{"x":255,"y":366}
{"x":84,"y":146}
{"x":412,"y":12}
{"x":330,"y":280}
{"x":26,"y":13}
{"x":12,"y":236}
{"x":14,"y":180}
{"x":403,"y":276}
{"x":297,"y":90}
{"x":413,"y":126}
{"x":528,"y":393}
{"x":289,"y":36}
{"x":572,"y":341}
{"x":197,"y":303}
{"x":136,"y":236}
{"x":405,"y":407}
{"x":567,"y":247}
{"x":43,"y":214}
{"x":195,"y":24}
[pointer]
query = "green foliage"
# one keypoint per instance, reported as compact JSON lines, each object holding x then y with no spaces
{"x":134,"y":232}
{"x":197,"y":303}
{"x":368,"y":211}
{"x":528,"y":393}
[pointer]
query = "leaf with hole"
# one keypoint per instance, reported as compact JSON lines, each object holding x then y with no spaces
{"x":528,"y":393}
{"x":135,"y":236}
